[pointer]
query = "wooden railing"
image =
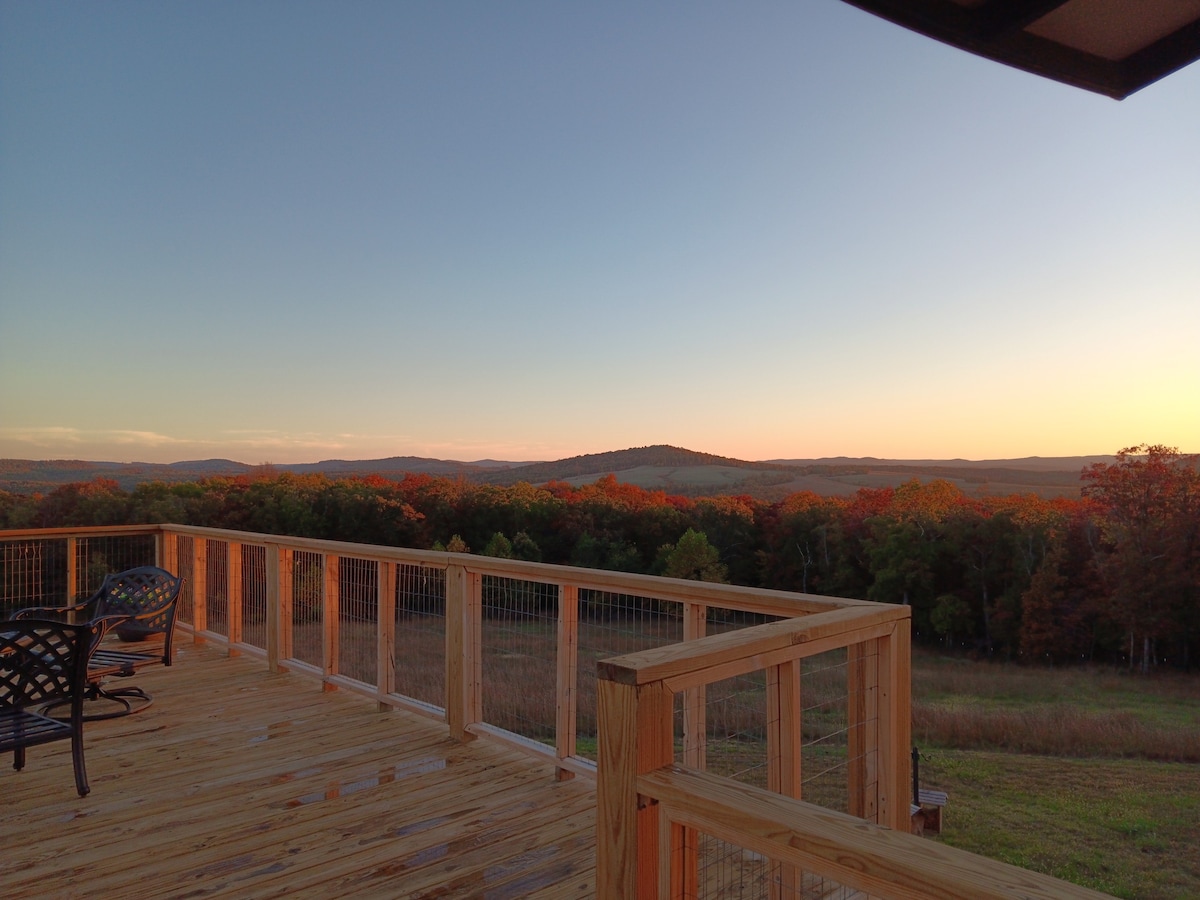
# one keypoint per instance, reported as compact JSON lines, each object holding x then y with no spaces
{"x":601,"y":673}
{"x":637,"y":702}
{"x":494,"y":647}
{"x":669,"y":830}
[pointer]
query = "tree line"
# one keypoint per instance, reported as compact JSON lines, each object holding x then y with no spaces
{"x":1111,"y":577}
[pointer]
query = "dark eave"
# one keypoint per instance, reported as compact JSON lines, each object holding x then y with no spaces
{"x":1112,"y":47}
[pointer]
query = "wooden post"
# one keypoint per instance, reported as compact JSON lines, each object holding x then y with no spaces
{"x":167,"y":549}
{"x":895,"y":726}
{"x":862,"y":683}
{"x":199,"y":588}
{"x":72,"y":571}
{"x":287,"y":600}
{"x":273,"y":560}
{"x":330,"y":619}
{"x":783,"y":753}
{"x":233,"y":594}
{"x":694,"y":715}
{"x":686,"y":869}
{"x":385,"y":659}
{"x":464,"y":663}
{"x":567,"y":680}
{"x":673,"y":878}
{"x":783,"y":729}
{"x":635,"y":739}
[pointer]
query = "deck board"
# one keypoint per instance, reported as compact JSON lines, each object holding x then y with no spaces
{"x":238,"y":782}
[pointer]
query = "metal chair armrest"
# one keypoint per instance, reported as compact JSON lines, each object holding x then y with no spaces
{"x":51,"y":612}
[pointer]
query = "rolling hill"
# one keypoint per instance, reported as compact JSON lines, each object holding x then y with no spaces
{"x":671,"y":469}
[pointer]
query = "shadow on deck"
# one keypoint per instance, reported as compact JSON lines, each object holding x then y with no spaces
{"x":238,"y":782}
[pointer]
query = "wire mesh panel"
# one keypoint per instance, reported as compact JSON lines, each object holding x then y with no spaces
{"x":612,"y":624}
{"x":825,"y":702}
{"x":33,"y":573}
{"x":736,"y":712}
{"x":185,"y":606}
{"x":736,"y":720}
{"x":308,"y":573}
{"x":737,"y":723}
{"x":518,"y":644}
{"x":216,"y":587}
{"x":421,"y":634}
{"x":254,"y":595}
{"x":96,"y":557}
{"x":729,"y":872}
{"x":358,"y":618}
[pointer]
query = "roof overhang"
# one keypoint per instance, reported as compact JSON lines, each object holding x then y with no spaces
{"x":1112,"y":47}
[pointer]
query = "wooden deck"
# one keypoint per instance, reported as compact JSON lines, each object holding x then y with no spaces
{"x":237,"y":782}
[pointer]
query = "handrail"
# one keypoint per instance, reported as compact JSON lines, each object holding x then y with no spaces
{"x":856,"y":854}
{"x":764,"y":601}
{"x":216,"y":599}
{"x":637,"y":704}
{"x":16,"y":534}
{"x":736,"y":653}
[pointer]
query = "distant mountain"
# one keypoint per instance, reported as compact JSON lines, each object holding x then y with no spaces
{"x":687,"y":472}
{"x":25,"y":476}
{"x":1027,"y":463}
{"x":393,"y":465}
{"x":595,"y":465}
{"x":661,"y":467}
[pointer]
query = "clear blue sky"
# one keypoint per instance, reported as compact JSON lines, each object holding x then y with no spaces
{"x":292,"y":231}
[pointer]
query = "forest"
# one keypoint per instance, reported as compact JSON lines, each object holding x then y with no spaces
{"x":1111,"y":577}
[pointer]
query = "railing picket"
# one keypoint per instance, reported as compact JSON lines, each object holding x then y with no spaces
{"x":199,"y":588}
{"x":233,"y":595}
{"x":463,"y":662}
{"x":385,"y":657}
{"x":330,"y":619}
{"x":274,"y":573}
{"x":567,"y":681}
{"x":72,"y":571}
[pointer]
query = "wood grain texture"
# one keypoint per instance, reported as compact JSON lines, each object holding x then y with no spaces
{"x":239,"y":782}
{"x":865,"y":857}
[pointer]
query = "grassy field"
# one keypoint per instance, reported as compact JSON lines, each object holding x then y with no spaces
{"x":1091,"y":776}
{"x":1088,"y":775}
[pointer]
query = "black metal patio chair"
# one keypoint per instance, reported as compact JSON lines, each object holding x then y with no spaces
{"x":44,"y":662}
{"x":138,"y":605}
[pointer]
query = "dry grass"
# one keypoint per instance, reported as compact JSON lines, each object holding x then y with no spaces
{"x":1057,"y":730}
{"x":1073,"y":712}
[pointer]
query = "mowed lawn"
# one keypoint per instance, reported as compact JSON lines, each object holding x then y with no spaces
{"x":1089,"y":775}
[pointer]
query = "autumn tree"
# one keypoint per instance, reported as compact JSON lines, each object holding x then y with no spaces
{"x":800,"y":544}
{"x":1149,"y":515}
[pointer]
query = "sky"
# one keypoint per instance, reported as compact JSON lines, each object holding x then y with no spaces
{"x":283,"y":232}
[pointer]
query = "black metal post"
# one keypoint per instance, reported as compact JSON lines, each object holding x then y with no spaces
{"x":916,"y":756}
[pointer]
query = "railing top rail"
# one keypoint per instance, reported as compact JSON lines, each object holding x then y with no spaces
{"x":24,"y":534}
{"x":755,"y":600}
{"x":861,"y":855}
{"x":733,"y":653}
{"x":760,"y":601}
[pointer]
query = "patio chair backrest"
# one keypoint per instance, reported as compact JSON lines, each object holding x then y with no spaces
{"x":41,"y":661}
{"x":146,"y":595}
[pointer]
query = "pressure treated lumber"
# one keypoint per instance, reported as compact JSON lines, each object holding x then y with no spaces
{"x":239,"y":782}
